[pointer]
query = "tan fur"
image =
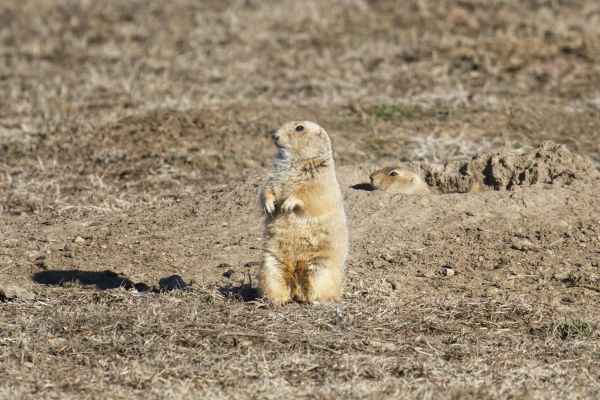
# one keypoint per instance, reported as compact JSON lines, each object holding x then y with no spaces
{"x":305,"y":233}
{"x":406,"y":181}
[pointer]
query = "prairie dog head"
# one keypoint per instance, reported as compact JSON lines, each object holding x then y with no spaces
{"x":300,"y":140}
{"x":399,"y":180}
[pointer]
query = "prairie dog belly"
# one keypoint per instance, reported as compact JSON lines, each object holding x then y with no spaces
{"x":305,"y":233}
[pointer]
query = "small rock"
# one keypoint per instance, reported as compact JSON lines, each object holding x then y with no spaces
{"x":387,"y":257}
{"x":11,"y":292}
{"x":393,"y":283}
{"x":171,"y":283}
{"x":39,"y":262}
{"x":447,"y":271}
{"x":503,"y":262}
{"x":52,"y":238}
{"x":568,"y":299}
{"x":427,"y":273}
{"x":228,"y":273}
{"x":522,"y":244}
{"x":561,"y":276}
{"x":507,"y":284}
{"x":253,"y":264}
{"x":224,"y":265}
{"x":79,"y":239}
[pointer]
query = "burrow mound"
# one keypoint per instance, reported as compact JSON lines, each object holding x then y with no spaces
{"x":548,"y":163}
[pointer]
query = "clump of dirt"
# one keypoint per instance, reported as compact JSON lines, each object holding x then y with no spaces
{"x":548,"y":163}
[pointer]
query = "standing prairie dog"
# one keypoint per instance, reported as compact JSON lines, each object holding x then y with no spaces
{"x":305,"y":232}
{"x":399,"y":180}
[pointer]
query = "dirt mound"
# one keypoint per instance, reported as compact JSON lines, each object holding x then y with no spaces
{"x":441,"y":269}
{"x":222,"y":226}
{"x":548,"y":163}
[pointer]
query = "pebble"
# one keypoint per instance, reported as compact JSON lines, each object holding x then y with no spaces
{"x":522,"y":244}
{"x":447,"y":271}
{"x":40,"y":263}
{"x":503,"y":262}
{"x":79,"y":239}
{"x":393,"y":283}
{"x":387,"y":257}
{"x":428,"y":273}
{"x":561,"y":276}
{"x":568,"y":299}
{"x":228,"y":273}
{"x":52,"y":238}
{"x":252,"y":264}
{"x":507,"y":284}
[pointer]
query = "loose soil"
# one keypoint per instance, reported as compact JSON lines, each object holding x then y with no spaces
{"x":134,"y":143}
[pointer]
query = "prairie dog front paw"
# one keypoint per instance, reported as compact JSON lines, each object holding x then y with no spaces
{"x":291,"y":203}
{"x":269,"y":200}
{"x":269,"y":206}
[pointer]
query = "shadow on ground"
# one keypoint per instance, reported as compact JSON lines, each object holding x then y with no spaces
{"x":244,"y":292}
{"x":104,"y":280}
{"x":363,"y":186}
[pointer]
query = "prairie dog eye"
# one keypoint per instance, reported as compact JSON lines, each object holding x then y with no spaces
{"x":393,"y":173}
{"x":299,"y":128}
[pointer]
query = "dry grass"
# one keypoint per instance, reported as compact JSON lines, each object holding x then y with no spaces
{"x":113,"y":106}
{"x":373,"y":343}
{"x":381,"y":76}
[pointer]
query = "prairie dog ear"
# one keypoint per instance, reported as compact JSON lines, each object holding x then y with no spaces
{"x":322,"y":132}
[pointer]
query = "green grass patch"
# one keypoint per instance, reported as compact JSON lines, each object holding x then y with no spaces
{"x":570,"y":330}
{"x":375,"y":144}
{"x":393,"y":112}
{"x":342,"y":122}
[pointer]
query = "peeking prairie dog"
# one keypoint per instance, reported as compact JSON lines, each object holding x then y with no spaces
{"x":399,"y":180}
{"x":305,"y":232}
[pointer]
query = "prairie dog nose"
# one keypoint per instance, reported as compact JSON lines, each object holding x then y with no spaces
{"x":274,"y":134}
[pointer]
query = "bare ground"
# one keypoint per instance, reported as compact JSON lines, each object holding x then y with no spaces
{"x":133,"y":142}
